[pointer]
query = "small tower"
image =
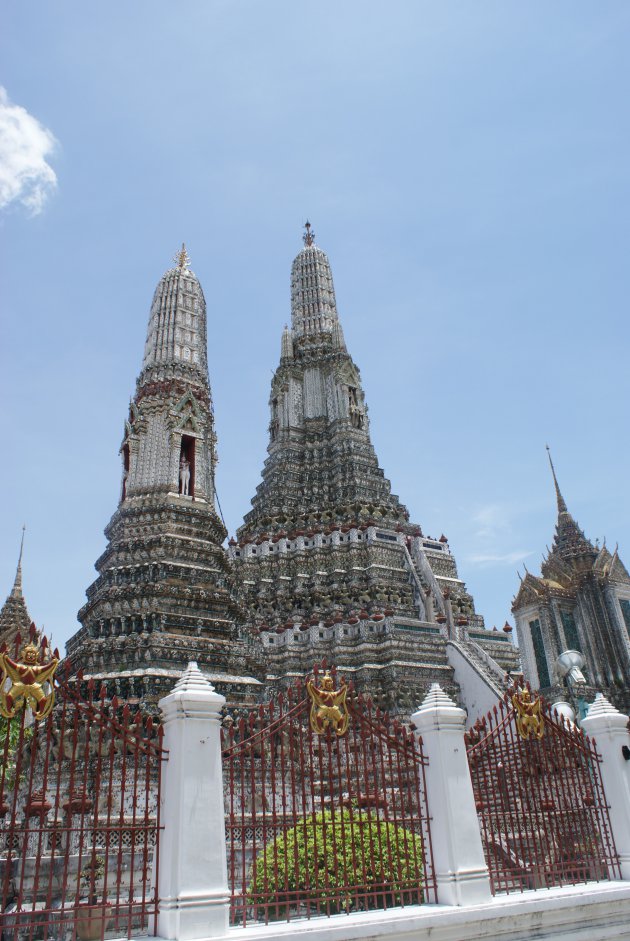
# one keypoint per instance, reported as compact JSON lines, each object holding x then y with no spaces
{"x":580,"y":601}
{"x":14,"y":616}
{"x":163,"y":596}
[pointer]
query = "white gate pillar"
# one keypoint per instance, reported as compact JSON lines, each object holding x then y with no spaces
{"x":609,"y":728}
{"x":460,"y":867}
{"x":192,"y":885}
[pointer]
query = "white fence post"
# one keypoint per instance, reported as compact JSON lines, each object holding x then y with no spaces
{"x":460,"y":867}
{"x":609,"y":728}
{"x":192,"y":886}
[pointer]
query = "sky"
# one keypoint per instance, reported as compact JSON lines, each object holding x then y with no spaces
{"x":465,"y":167}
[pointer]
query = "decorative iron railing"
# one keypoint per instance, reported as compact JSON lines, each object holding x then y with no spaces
{"x":79,"y":812}
{"x":539,"y":797}
{"x":326,"y":808}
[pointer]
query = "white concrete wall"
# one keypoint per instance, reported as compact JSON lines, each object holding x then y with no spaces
{"x":594,"y":912}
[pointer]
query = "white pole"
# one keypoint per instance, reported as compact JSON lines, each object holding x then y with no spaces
{"x":460,"y":867}
{"x":609,"y":728}
{"x":192,"y":888}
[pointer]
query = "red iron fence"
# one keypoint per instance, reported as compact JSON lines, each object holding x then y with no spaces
{"x":79,"y":807}
{"x":539,"y":796}
{"x":326,"y":808}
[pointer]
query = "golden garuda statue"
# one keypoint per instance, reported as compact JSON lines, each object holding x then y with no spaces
{"x":328,"y":706}
{"x":529,"y":719}
{"x":28,"y":679}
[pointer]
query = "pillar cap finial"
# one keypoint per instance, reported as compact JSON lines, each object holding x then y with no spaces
{"x":182,"y":258}
{"x":309,"y":236}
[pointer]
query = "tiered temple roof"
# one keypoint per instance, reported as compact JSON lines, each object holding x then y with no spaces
{"x":580,"y":601}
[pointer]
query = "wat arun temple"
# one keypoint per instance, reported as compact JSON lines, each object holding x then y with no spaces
{"x":327,"y":563}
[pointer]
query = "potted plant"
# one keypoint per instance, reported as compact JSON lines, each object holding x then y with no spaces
{"x":93,"y":917}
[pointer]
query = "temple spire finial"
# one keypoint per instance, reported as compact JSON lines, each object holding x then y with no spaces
{"x":562,"y":507}
{"x":181,"y":258}
{"x":16,"y":591}
{"x":309,"y":236}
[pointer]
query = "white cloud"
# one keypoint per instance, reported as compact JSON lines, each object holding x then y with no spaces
{"x":26,"y":177}
{"x":491,"y":520}
{"x":506,"y":558}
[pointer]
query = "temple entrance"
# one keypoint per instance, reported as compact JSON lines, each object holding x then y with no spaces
{"x":539,"y":796}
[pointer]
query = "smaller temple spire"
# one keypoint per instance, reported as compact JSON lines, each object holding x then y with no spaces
{"x":286,"y":348}
{"x":309,"y":237}
{"x":16,"y":591}
{"x":569,"y":541}
{"x":562,"y":507}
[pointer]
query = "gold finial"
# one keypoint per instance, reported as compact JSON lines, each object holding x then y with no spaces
{"x":181,"y":257}
{"x":308,"y":237}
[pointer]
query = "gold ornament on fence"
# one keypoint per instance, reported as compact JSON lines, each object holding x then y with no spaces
{"x":529,"y":719}
{"x":28,"y":679}
{"x":328,"y":706}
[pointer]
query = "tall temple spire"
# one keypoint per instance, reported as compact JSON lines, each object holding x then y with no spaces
{"x":569,"y":540}
{"x":562,"y":507}
{"x":14,"y":616}
{"x":16,"y":591}
{"x":320,"y":449}
{"x":326,"y":544}
{"x":163,"y":595}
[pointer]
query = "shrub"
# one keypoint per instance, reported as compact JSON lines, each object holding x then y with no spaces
{"x":10,"y":728}
{"x":323,"y":859}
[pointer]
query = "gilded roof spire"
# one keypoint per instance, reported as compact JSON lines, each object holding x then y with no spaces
{"x":569,"y":542}
{"x":309,"y":237}
{"x":562,"y":507}
{"x":181,"y":257}
{"x":16,"y":591}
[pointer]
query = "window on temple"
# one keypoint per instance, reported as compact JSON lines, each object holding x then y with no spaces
{"x":625,"y":610}
{"x":273,"y":428}
{"x":539,"y":653}
{"x":570,"y":631}
{"x":125,"y":470}
{"x":187,"y":467}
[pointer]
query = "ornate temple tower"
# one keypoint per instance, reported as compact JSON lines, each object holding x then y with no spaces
{"x":14,"y":616}
{"x":581,"y":601}
{"x":328,"y":563}
{"x":163,"y":595}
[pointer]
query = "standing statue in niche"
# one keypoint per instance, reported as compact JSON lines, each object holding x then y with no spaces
{"x":184,"y":476}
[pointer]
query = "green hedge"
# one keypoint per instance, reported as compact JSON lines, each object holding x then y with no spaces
{"x":296,"y":863}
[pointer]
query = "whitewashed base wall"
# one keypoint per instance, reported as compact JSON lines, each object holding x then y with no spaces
{"x":193,"y":878}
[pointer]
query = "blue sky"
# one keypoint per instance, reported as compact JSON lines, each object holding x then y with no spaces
{"x":465,"y":166}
